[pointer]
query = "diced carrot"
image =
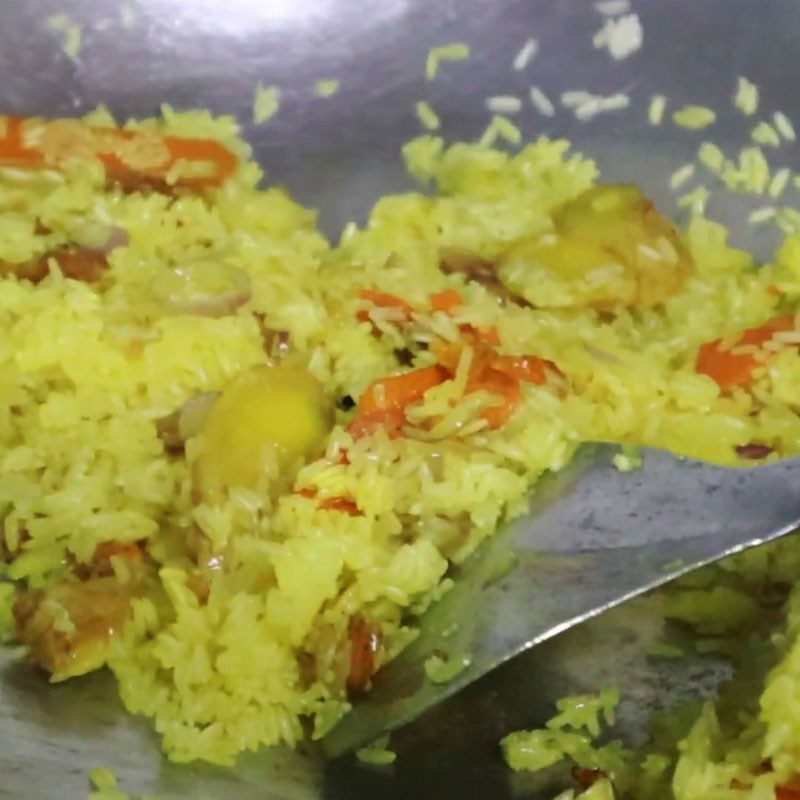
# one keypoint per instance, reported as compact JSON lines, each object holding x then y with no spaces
{"x":501,"y":385}
{"x":445,"y":301}
{"x":399,"y":391}
{"x":448,"y":354}
{"x":787,"y":793}
{"x":109,"y":146}
{"x":383,"y":300}
{"x":392,"y":420}
{"x":342,"y":504}
{"x":384,"y":402}
{"x":530,"y":369}
{"x":730,"y":369}
{"x":488,"y":336}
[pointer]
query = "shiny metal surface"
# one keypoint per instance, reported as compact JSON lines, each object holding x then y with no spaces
{"x":338,"y":155}
{"x":595,"y":539}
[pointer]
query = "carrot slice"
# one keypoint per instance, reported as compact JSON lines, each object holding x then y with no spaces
{"x":392,"y":420}
{"x":399,"y":391}
{"x":384,"y":402}
{"x":22,"y":144}
{"x":343,"y":504}
{"x":530,"y":369}
{"x":383,"y":300}
{"x":729,"y":369}
{"x":787,"y":793}
{"x":445,"y":301}
{"x":501,"y":385}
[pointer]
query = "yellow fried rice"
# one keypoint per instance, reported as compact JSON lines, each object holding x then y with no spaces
{"x":87,"y":375}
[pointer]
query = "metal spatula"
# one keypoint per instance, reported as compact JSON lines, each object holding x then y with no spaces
{"x":595,"y":537}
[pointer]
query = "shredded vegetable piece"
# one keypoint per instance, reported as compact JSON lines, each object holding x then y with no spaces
{"x":729,"y":368}
{"x":37,"y":144}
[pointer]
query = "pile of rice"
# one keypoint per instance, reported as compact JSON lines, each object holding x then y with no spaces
{"x":86,"y":375}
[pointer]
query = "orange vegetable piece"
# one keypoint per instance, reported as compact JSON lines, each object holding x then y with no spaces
{"x":399,"y":391}
{"x":729,"y":369}
{"x":530,"y":369}
{"x":364,"y":638}
{"x":384,"y":402}
{"x":107,"y":144}
{"x":502,"y":385}
{"x":787,"y":793}
{"x":445,"y":301}
{"x":342,"y":504}
{"x":383,"y":300}
{"x":488,"y":336}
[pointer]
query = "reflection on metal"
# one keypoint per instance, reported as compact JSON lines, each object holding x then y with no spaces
{"x":585,"y":548}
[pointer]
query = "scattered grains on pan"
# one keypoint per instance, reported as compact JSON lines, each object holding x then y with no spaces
{"x":441,"y":669}
{"x":761,"y":215}
{"x":458,"y":51}
{"x":655,"y":112}
{"x":576,"y":97}
{"x":711,"y":157}
{"x":327,"y":87}
{"x":504,"y":104}
{"x":784,"y":126}
{"x":681,"y":175}
{"x":527,"y":52}
{"x":70,"y":32}
{"x":695,"y":201}
{"x":746,"y":97}
{"x":266,"y":102}
{"x":779,"y":182}
{"x":500,"y":128}
{"x":612,"y":8}
{"x":428,"y":118}
{"x":788,"y":220}
{"x":621,"y":36}
{"x":377,"y":754}
{"x":597,"y":104}
{"x":629,"y":459}
{"x":541,"y":102}
{"x":766,"y":135}
{"x":694,"y":117}
{"x":755,"y":169}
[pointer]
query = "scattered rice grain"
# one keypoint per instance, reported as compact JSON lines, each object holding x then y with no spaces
{"x":525,"y":55}
{"x":761,"y":215}
{"x":681,"y":175}
{"x":504,"y":104}
{"x":746,"y":97}
{"x":766,"y":135}
{"x":266,"y":102}
{"x":428,"y":118}
{"x":711,"y":157}
{"x":327,"y":87}
{"x":621,"y":36}
{"x":779,"y":182}
{"x":784,"y":126}
{"x":500,"y":128}
{"x":71,"y":33}
{"x":655,"y":113}
{"x":694,"y":117}
{"x":696,"y":200}
{"x":612,"y":8}
{"x":457,"y":51}
{"x":541,"y":102}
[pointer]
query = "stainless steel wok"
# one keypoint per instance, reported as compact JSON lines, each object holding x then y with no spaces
{"x":338,"y":155}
